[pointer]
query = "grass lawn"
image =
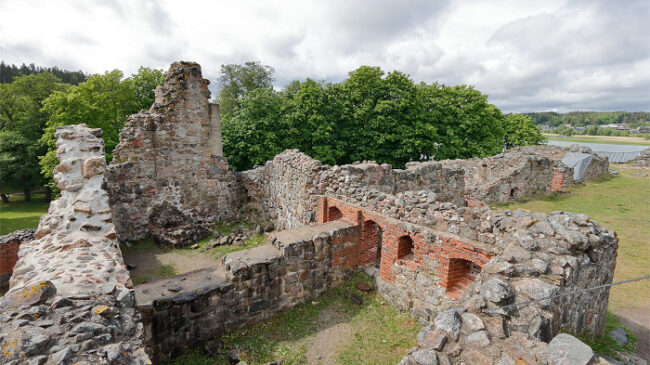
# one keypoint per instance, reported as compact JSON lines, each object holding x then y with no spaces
{"x":19,"y":214}
{"x":377,"y":333}
{"x":600,"y":139}
{"x":620,"y":203}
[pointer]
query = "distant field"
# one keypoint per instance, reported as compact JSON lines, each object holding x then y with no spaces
{"x":19,"y":214}
{"x":600,"y":139}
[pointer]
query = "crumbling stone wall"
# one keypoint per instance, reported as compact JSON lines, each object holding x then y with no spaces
{"x":9,"y":245}
{"x":473,"y":262}
{"x":187,"y":310}
{"x":70,"y":298}
{"x":521,"y":172}
{"x":285,"y":189}
{"x":598,"y":166}
{"x":171,"y":153}
{"x":564,"y":250}
{"x":643,"y":160}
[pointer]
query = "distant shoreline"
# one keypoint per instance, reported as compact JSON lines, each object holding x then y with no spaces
{"x":600,"y":139}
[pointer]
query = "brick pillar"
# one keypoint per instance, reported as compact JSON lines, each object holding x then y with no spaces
{"x":557,"y":183}
{"x":321,"y":214}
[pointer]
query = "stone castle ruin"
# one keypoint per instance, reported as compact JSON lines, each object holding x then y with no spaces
{"x":425,"y":234}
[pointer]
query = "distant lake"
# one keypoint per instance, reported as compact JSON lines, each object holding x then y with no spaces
{"x":603,"y":147}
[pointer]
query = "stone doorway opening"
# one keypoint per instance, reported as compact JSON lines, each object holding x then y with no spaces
{"x":371,"y":237}
{"x":405,"y":248}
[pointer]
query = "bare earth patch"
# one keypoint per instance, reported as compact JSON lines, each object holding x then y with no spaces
{"x":333,"y":328}
{"x":636,"y":319}
{"x":157,"y":262}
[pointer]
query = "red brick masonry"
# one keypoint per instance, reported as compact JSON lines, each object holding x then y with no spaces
{"x":558,"y":181}
{"x":8,"y":256}
{"x":378,"y":237}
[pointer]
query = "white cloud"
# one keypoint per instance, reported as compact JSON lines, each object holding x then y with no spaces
{"x":527,"y":56}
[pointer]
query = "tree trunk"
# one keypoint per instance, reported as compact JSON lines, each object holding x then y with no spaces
{"x":48,"y":194}
{"x":28,"y":194}
{"x":5,"y":198}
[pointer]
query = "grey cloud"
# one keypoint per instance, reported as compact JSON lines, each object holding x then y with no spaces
{"x":362,"y":25}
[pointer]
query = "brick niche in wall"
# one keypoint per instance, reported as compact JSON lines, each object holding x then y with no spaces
{"x":385,"y":240}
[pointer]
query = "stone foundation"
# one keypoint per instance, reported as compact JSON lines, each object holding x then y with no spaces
{"x":285,"y":189}
{"x":187,"y":310}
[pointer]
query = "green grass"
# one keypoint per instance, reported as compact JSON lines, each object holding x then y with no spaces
{"x":620,"y":203}
{"x":597,"y":139}
{"x":19,"y":214}
{"x":605,"y":344}
{"x":380,"y":333}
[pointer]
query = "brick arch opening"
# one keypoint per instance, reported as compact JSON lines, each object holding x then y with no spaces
{"x":460,"y":275}
{"x":333,"y":214}
{"x":371,"y":237}
{"x":405,"y":248}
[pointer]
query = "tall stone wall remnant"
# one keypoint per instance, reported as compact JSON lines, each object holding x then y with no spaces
{"x":171,"y":155}
{"x":71,"y":298}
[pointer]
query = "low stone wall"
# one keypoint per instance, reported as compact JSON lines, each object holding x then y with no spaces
{"x":184,"y":311}
{"x":643,"y":161}
{"x":70,"y":298}
{"x":285,"y":189}
{"x":9,"y":245}
{"x":171,"y":154}
{"x":522,"y":172}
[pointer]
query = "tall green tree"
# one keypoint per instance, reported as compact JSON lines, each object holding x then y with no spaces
{"x":467,"y":125}
{"x":237,"y":81}
{"x":22,"y":121}
{"x":370,"y":116}
{"x":257,"y":132}
{"x":519,"y":130}
{"x":103,"y":101}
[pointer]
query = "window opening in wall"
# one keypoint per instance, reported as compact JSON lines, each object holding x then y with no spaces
{"x":405,"y":248}
{"x":460,"y":276}
{"x":333,"y":214}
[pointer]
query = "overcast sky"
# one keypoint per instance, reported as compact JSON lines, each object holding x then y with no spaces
{"x":526,"y":55}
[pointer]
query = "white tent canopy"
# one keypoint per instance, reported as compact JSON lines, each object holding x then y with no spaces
{"x":579,"y":162}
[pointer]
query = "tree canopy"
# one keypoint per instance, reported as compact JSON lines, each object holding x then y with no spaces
{"x":9,"y":72}
{"x":102,"y":101}
{"x":369,"y":116}
{"x":22,"y":121}
{"x":237,"y":81}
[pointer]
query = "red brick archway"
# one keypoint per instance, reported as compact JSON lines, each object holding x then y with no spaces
{"x":461,"y":274}
{"x":333,"y":214}
{"x":370,"y":243}
{"x":405,"y":248}
{"x":385,"y":239}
